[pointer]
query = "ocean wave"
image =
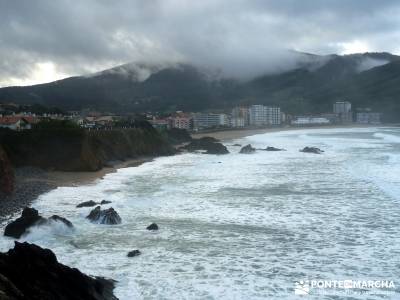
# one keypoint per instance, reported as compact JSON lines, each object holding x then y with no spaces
{"x":390,"y":138}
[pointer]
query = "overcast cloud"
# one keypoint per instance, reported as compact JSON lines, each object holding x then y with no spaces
{"x":44,"y":40}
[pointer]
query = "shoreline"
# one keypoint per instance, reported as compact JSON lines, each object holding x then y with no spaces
{"x":226,"y":135}
{"x":31,"y":182}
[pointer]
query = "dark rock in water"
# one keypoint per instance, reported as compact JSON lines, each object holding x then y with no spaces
{"x":31,"y":272}
{"x":86,"y":204}
{"x":110,"y":216}
{"x":18,"y":227}
{"x":314,"y":150}
{"x":248,"y":149}
{"x":134,"y":253}
{"x":272,"y":149}
{"x":61,"y":219}
{"x":152,"y":226}
{"x":209,"y":144}
{"x":217,"y":148}
{"x":94,"y":214}
{"x":237,"y":145}
{"x":104,"y":202}
{"x":107,"y":216}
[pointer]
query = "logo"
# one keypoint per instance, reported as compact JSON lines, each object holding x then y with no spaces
{"x":302,"y":287}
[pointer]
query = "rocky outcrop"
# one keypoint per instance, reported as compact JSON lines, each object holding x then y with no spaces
{"x":61,"y":219}
{"x":313,"y":150}
{"x":87,"y":204}
{"x":248,"y":149}
{"x":7,"y":178}
{"x":133,"y":253}
{"x":272,"y":149}
{"x":237,"y":145}
{"x":18,"y":227}
{"x":152,"y":226}
{"x":30,"y":217}
{"x":210,"y":144}
{"x":31,"y":272}
{"x":92,"y":203}
{"x":107,"y":216}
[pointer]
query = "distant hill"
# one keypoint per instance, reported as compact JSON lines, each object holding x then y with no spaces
{"x":367,"y":80}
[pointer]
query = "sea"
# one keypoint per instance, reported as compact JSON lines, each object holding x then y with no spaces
{"x":268,"y":225}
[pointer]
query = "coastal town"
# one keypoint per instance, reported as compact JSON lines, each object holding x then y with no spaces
{"x":15,"y":117}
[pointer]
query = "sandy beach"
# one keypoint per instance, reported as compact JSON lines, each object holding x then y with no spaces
{"x":231,"y":134}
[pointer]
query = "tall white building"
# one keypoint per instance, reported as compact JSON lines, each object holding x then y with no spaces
{"x":261,"y":115}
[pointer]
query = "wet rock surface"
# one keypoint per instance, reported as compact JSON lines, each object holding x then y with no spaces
{"x":87,"y":204}
{"x":18,"y":227}
{"x":30,"y":272}
{"x":313,"y":150}
{"x":152,"y":226}
{"x":106,"y":216}
{"x":133,"y":253}
{"x":30,"y":217}
{"x":209,"y":144}
{"x":248,"y":149}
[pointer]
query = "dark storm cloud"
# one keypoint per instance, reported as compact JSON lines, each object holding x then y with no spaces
{"x":240,"y":37}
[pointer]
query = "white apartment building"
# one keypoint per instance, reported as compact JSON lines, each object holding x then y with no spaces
{"x":299,"y":121}
{"x":207,"y":120}
{"x":261,"y":115}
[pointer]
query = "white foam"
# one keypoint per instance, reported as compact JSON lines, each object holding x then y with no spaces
{"x":239,"y":226}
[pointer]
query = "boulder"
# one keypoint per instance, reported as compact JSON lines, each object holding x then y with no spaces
{"x":133,"y":253}
{"x":18,"y":227}
{"x":152,"y":226}
{"x":86,"y":204}
{"x":217,"y":148}
{"x":62,"y":220}
{"x":107,"y":216}
{"x":209,"y":144}
{"x":314,"y":150}
{"x":237,"y":145}
{"x":248,"y":149}
{"x":104,"y":202}
{"x":272,"y":149}
{"x":31,"y":272}
{"x":30,"y":217}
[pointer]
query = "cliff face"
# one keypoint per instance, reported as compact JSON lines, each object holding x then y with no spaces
{"x":78,"y":150}
{"x":7,"y":179}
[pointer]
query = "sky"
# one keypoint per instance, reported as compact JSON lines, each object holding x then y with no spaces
{"x":46,"y":40}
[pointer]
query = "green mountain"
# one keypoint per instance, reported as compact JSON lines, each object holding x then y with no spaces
{"x":367,"y":80}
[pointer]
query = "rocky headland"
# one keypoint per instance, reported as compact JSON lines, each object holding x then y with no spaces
{"x":29,"y":272}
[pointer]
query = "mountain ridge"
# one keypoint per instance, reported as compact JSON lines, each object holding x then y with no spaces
{"x":367,"y":79}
